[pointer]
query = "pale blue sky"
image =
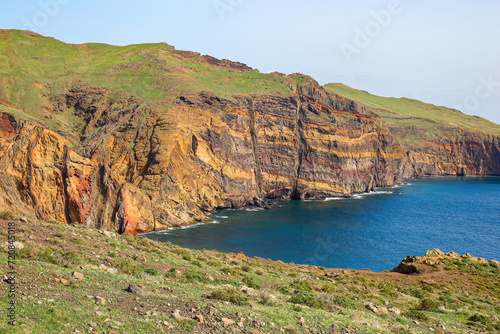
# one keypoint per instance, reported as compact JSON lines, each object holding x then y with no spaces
{"x":444,"y":52}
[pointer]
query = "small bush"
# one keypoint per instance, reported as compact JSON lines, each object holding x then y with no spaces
{"x":151,"y":272}
{"x":171,"y":273}
{"x":186,"y":255}
{"x":265,"y":300}
{"x":196,"y":276}
{"x":301,"y":286}
{"x":197,"y":263}
{"x":345,"y":302}
{"x":232,"y":271}
{"x":231,"y":295}
{"x":6,"y":215}
{"x":417,"y":315}
{"x":246,"y":268}
{"x":428,"y":304}
{"x":250,"y":282}
{"x":479,"y":318}
{"x":127,"y":267}
{"x":307,"y":299}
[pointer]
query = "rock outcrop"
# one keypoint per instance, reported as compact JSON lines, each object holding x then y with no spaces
{"x":465,"y":153}
{"x":144,"y":169}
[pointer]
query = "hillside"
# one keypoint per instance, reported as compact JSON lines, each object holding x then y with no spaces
{"x":73,"y":279}
{"x":145,"y":137}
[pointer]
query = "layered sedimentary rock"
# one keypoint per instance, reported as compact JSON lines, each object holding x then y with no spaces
{"x":146,"y":137}
{"x":465,"y":153}
{"x":144,"y":168}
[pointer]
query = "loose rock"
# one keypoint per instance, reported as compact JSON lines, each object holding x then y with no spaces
{"x":78,"y":275}
{"x":135,"y":289}
{"x":227,"y":322}
{"x":372,"y":308}
{"x":100,"y":300}
{"x":394,"y":310}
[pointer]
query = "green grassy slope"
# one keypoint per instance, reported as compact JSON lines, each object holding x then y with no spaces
{"x":403,"y":114}
{"x":461,"y":295}
{"x":34,"y":68}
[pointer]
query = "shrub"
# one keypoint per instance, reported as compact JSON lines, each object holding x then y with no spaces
{"x":196,"y":276}
{"x":249,"y":281}
{"x":128,"y":268}
{"x":307,"y":299}
{"x":301,"y":286}
{"x":197,"y":263}
{"x":151,"y":272}
{"x":479,"y":318}
{"x":345,"y":302}
{"x":171,"y":273}
{"x":6,"y":215}
{"x":231,"y":295}
{"x":417,"y":315}
{"x":428,"y":304}
{"x":246,"y":268}
{"x":186,"y":255}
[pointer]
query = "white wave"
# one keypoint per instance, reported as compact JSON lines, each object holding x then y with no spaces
{"x":254,"y":209}
{"x":333,"y":198}
{"x":222,"y":217}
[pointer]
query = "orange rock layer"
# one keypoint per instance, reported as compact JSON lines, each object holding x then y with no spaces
{"x":140,"y":168}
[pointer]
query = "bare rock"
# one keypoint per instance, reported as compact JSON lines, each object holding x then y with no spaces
{"x":78,"y":275}
{"x":434,"y":253}
{"x":135,"y":289}
{"x":227,"y":322}
{"x":176,"y":314}
{"x":199,"y":317}
{"x":383,"y":310}
{"x":394,"y":310}
{"x":99,"y":300}
{"x":372,"y":308}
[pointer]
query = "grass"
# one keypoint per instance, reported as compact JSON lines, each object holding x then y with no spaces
{"x":282,"y":293}
{"x":36,"y":68}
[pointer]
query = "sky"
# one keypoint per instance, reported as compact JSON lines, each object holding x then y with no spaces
{"x":443,"y":52}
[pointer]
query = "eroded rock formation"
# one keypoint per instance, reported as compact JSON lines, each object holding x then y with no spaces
{"x":141,"y":168}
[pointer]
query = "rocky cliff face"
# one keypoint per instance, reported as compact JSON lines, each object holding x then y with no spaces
{"x":466,"y":153}
{"x":142,"y":169}
{"x":169,"y":136}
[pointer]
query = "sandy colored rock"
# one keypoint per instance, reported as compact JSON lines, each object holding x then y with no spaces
{"x":77,"y":275}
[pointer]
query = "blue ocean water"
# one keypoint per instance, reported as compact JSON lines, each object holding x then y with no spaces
{"x":374,"y":231}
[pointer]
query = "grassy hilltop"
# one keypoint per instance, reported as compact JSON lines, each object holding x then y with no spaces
{"x":215,"y":292}
{"x":35,"y":68}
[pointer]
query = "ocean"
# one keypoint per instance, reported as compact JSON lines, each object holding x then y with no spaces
{"x":369,"y":231}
